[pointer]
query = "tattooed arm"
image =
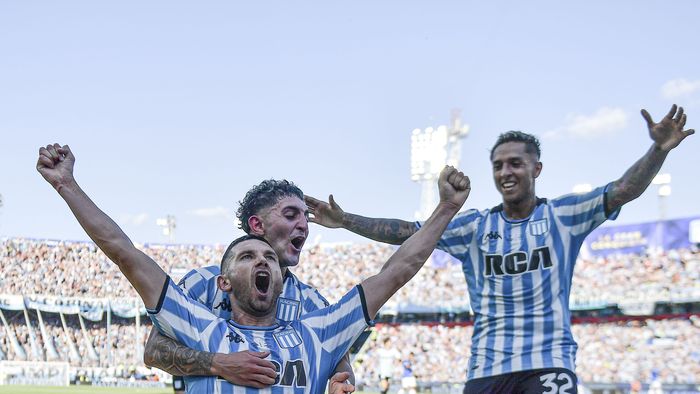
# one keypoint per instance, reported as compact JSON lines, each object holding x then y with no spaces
{"x":329,"y":214}
{"x":242,"y":368}
{"x":666,"y":135}
{"x":176,"y":359}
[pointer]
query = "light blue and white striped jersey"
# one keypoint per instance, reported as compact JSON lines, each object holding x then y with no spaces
{"x":305,"y":351}
{"x":519,"y":275}
{"x":297,"y":299}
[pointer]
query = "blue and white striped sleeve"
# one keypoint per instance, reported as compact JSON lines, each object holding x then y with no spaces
{"x":198,"y":284}
{"x":311,"y":299}
{"x":582,"y":213}
{"x":459,"y":233}
{"x":182,"y":318}
{"x":339,"y":325}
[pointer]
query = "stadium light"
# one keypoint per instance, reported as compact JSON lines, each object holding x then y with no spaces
{"x":168,"y":225}
{"x":663,"y":181}
{"x":582,"y":188}
{"x":431,"y":150}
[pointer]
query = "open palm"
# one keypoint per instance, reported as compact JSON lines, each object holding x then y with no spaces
{"x":668,"y":133}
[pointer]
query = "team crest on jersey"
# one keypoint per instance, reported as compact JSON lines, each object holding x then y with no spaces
{"x":287,"y":338}
{"x":287,"y":309}
{"x":539,"y":227}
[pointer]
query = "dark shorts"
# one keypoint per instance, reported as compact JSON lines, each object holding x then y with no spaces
{"x":535,"y":381}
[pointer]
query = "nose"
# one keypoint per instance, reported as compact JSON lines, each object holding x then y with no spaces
{"x":262,"y":261}
{"x":504,"y":170}
{"x":303,"y":224}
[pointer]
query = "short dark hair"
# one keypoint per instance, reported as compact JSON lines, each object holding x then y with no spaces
{"x":262,"y":196}
{"x":235,"y":242}
{"x":532,"y":144}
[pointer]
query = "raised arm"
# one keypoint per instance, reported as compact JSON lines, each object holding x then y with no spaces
{"x":329,"y":214}
{"x":55,"y":164}
{"x":666,"y":135}
{"x":409,"y":258}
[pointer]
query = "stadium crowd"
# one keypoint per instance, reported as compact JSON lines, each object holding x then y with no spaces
{"x":78,"y":269}
{"x":608,"y":352}
{"x":668,"y":350}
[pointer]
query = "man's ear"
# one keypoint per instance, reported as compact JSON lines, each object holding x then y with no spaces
{"x":538,"y":169}
{"x":224,"y":284}
{"x":256,"y":225}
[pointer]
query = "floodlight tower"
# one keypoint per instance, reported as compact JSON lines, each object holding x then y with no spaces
{"x":431,"y":150}
{"x":168,"y":225}
{"x":663,"y":181}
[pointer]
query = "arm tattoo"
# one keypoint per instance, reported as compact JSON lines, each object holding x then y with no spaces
{"x":393,"y":231}
{"x":636,"y":179}
{"x":176,"y":359}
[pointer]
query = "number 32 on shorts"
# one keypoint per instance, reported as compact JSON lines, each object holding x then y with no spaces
{"x":556,"y":384}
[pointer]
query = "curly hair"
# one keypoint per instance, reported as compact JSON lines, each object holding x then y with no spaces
{"x":264,"y":195}
{"x":532,"y":144}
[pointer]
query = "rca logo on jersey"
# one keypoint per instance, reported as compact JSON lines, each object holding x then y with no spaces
{"x":294,"y":373}
{"x":517,"y":263}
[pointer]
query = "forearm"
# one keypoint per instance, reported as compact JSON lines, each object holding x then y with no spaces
{"x":99,"y":227}
{"x":413,"y":253}
{"x":391,"y":231}
{"x":141,"y":271}
{"x":176,"y":359}
{"x":636,"y":179}
{"x":408,"y":259}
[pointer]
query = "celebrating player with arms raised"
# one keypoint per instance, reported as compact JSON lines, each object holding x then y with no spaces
{"x":304,"y":351}
{"x":518,"y":259}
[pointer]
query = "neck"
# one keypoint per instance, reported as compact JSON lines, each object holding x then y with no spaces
{"x":520,"y":209}
{"x":246,"y":318}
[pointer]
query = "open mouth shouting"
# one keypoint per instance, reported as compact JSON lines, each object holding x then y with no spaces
{"x":298,"y":242}
{"x":262,"y":282}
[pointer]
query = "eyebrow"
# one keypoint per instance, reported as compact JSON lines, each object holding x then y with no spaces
{"x":253,"y":251}
{"x":295,"y":209}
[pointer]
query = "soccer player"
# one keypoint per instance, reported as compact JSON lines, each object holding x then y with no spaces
{"x":274,"y":210}
{"x":305,"y":351}
{"x":518,"y":259}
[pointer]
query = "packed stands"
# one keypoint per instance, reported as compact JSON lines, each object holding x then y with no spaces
{"x":65,"y":301}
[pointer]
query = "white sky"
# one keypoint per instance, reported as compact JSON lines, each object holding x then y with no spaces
{"x":180,"y":107}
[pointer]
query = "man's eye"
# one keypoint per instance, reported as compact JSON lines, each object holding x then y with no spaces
{"x":271,"y":258}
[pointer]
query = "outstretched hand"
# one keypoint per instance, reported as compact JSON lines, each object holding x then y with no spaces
{"x":327,"y":214}
{"x":55,"y":164}
{"x":668,"y":133}
{"x":454,"y":187}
